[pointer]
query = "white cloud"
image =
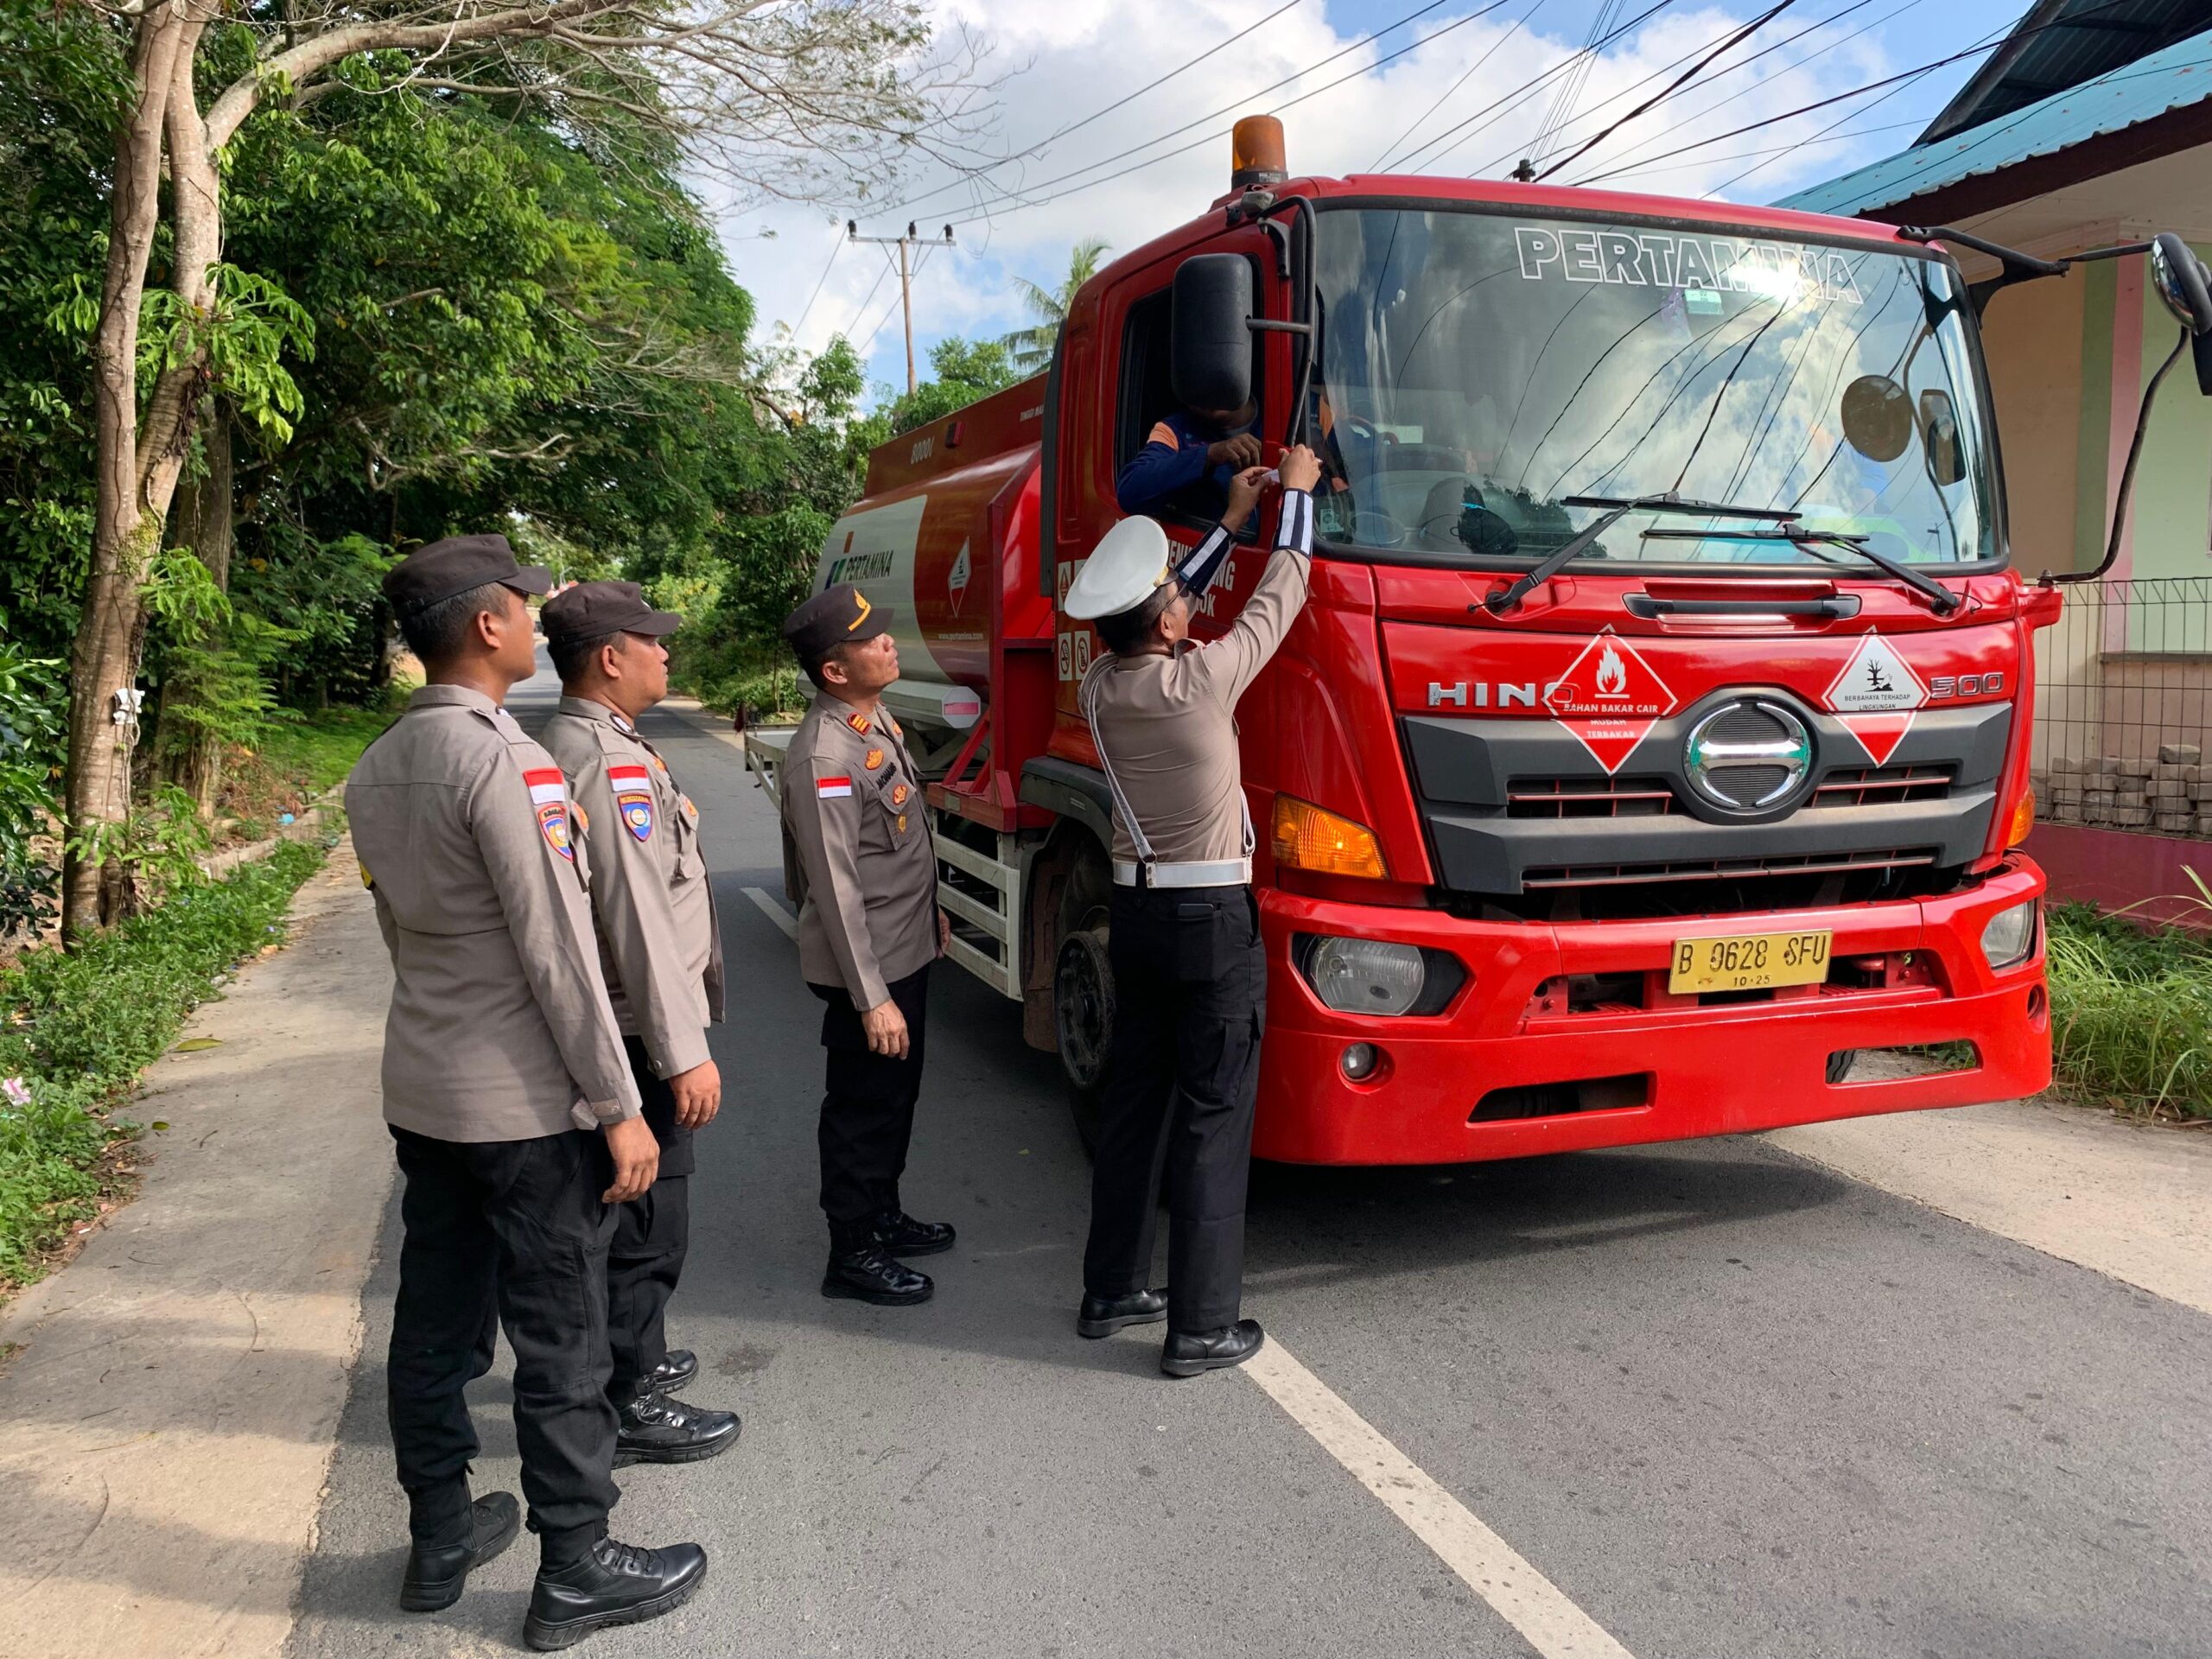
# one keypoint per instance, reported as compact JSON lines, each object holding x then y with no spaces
{"x":1061,"y":61}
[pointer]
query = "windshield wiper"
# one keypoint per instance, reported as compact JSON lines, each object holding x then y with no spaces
{"x":1618,"y":508}
{"x":1812,"y":541}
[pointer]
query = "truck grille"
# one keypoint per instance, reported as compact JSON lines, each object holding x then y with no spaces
{"x":1720,"y":869}
{"x":1884,"y":786}
{"x":1588,"y":797}
{"x":1643,"y":797}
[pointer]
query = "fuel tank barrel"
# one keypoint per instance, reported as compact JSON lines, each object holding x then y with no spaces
{"x":945,"y":537}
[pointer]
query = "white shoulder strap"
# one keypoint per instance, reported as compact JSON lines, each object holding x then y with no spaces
{"x":1087,"y":700}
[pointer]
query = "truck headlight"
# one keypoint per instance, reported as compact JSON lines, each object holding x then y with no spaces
{"x":2009,"y":935}
{"x":1366,"y":975}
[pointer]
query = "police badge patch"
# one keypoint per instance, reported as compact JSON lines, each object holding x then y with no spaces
{"x":633,"y":796}
{"x":549,"y":792}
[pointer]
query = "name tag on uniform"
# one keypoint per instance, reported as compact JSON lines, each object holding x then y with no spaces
{"x":833,"y":789}
{"x":633,"y":798}
{"x":549,"y":793}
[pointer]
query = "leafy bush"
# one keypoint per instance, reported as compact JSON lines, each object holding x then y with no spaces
{"x":76,"y":1027}
{"x":31,"y":738}
{"x":2130,"y":1012}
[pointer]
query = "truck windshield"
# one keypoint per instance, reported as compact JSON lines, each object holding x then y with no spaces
{"x":1480,"y":372}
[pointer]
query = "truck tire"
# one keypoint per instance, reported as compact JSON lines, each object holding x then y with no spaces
{"x":1082,"y":1022}
{"x":1840,"y":1064}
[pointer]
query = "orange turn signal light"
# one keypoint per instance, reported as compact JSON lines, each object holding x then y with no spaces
{"x":1308,"y":838}
{"x":2023,"y":819}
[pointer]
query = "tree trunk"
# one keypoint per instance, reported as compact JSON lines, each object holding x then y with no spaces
{"x":125,"y":535}
{"x":204,"y":522}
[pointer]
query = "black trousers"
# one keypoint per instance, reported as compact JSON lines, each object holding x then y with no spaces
{"x":1189,"y":988}
{"x":652,"y":1234}
{"x":867,"y":1110}
{"x":510,"y":1231}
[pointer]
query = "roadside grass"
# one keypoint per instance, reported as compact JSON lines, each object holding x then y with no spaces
{"x":77,"y":1028}
{"x":298,"y":761}
{"x":2131,"y":1013}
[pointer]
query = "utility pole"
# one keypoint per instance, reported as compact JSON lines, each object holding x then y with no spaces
{"x":905,"y":244}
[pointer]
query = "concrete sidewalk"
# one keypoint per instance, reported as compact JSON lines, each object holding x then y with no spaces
{"x":2133,"y":1201}
{"x":166,"y":1430}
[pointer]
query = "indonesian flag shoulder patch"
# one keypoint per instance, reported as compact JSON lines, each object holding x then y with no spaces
{"x":549,"y":793}
{"x":833,"y":789}
{"x":633,"y":798}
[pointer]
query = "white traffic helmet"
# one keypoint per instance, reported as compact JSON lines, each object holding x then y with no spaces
{"x":1130,"y":560}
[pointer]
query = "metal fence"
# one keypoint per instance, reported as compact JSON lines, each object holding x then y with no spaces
{"x":2123,"y":702}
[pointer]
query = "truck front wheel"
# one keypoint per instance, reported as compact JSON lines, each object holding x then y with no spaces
{"x":1083,"y":1021}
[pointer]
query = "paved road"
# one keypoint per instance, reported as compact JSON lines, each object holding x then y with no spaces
{"x":1727,"y":1403}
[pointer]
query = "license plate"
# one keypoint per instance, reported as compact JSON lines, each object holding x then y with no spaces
{"x":1749,"y":962}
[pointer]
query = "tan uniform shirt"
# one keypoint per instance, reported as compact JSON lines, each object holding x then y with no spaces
{"x":1167,"y":724}
{"x":500,"y":1028}
{"x":852,"y":799}
{"x":660,"y":944}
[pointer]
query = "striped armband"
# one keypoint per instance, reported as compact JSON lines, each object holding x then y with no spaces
{"x":1294,"y":529}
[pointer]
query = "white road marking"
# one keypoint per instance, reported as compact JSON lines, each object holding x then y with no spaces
{"x":1521,"y":1596}
{"x":774,"y":912}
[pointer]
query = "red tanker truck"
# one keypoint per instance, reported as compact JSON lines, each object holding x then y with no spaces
{"x":1654,"y":743}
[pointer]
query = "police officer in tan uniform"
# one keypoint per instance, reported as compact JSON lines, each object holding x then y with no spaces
{"x":511,"y":1107}
{"x":868,"y":929}
{"x":660,"y":949}
{"x":1190,"y":978}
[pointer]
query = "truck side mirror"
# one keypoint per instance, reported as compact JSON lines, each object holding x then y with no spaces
{"x":2182,"y":282}
{"x":1939,"y":436}
{"x":1209,"y":336}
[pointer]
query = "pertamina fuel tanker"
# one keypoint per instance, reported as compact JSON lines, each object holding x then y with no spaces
{"x":1653,"y":745}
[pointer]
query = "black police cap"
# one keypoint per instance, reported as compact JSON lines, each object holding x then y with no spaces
{"x":838,"y":615}
{"x":441,"y":570}
{"x":591,"y":610}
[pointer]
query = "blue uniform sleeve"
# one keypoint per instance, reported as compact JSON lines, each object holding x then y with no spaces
{"x":1171,"y":460}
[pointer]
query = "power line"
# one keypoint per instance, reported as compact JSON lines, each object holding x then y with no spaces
{"x":1213,"y":115}
{"x":1782,"y":150}
{"x":818,"y":282}
{"x":1516,"y":97}
{"x":1382,"y":161}
{"x":1150,"y":86}
{"x":990,"y":210}
{"x":1678,"y":83}
{"x":1569,"y":90}
{"x":1913,"y":73}
{"x":1683,"y":119}
{"x":1542,"y":156}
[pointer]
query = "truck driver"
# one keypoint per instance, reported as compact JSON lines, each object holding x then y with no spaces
{"x":1189,"y":460}
{"x":1190,"y":978}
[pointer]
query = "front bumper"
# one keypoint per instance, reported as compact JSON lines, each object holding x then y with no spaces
{"x":1685,"y":1069}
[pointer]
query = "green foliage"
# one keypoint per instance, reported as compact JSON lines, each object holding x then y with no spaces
{"x":2130,"y":1012}
{"x":76,"y":1027}
{"x":63,"y":83}
{"x":316,"y":753}
{"x":32,"y":735}
{"x":1031,"y":347}
{"x":965,"y":371}
{"x":159,"y":842}
{"x":243,"y":337}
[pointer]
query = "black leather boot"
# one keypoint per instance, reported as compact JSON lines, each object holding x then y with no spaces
{"x":1101,"y":1316}
{"x":1187,"y":1353}
{"x":901,"y":1234}
{"x":869,"y":1275}
{"x":434,"y":1577}
{"x":675,"y":1372}
{"x":610,"y":1584}
{"x":660,"y":1428}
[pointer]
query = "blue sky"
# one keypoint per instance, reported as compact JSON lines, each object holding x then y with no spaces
{"x":1058,"y":62}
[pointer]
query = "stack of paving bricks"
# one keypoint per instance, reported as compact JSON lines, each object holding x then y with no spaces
{"x":2170,"y":795}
